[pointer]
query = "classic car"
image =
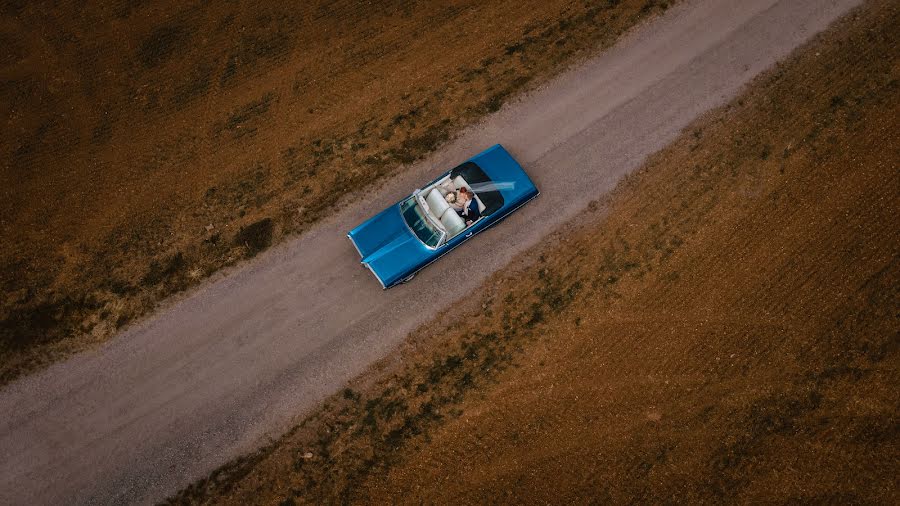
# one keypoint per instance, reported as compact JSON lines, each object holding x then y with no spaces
{"x":404,"y":238}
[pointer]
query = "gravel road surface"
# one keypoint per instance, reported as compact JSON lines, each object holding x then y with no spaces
{"x":217,"y":372}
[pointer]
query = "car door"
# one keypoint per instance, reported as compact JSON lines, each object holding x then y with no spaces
{"x":467,"y":233}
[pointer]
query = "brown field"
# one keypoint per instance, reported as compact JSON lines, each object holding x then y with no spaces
{"x":148,"y":145}
{"x":724,"y":328}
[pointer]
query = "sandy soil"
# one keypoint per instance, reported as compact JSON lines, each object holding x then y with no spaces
{"x":723,"y":328}
{"x":233,"y":364}
{"x":149,"y":144}
{"x":222,"y":370}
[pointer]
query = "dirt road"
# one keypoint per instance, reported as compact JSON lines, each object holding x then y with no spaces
{"x":214,"y":374}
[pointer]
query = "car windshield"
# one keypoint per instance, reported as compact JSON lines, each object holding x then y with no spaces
{"x":424,"y":230}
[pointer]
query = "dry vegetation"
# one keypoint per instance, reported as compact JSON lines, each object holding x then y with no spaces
{"x":149,"y":144}
{"x":723,"y":328}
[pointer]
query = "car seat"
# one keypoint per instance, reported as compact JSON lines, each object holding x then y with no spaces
{"x":436,"y":203}
{"x":452,"y":222}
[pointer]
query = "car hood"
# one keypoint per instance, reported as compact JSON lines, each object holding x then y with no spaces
{"x":378,"y":231}
{"x":387,"y":245}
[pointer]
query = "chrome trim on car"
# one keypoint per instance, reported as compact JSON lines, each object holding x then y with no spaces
{"x":376,"y":275}
{"x":364,"y":263}
{"x":512,"y":210}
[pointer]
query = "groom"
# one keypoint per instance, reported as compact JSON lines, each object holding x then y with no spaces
{"x":467,"y":206}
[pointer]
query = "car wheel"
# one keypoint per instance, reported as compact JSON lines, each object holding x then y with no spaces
{"x":408,"y":278}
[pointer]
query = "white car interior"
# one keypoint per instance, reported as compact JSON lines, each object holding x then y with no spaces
{"x":436,"y":204}
{"x":452,"y":223}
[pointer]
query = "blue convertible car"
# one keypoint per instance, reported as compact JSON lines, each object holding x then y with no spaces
{"x":404,"y":238}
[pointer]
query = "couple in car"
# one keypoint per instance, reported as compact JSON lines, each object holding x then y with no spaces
{"x":464,"y":203}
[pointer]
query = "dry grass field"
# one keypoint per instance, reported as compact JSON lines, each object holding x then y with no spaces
{"x":723,"y":328}
{"x":148,"y":144}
